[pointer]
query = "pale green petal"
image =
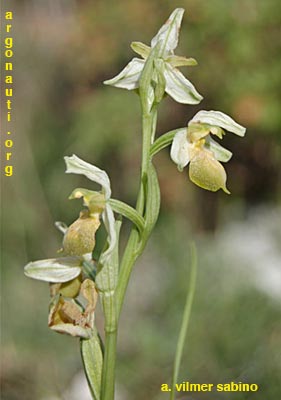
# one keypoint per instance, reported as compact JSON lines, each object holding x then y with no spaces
{"x":180,"y":149}
{"x":74,"y":165}
{"x":180,"y":88}
{"x":54,"y":270}
{"x":196,"y":132}
{"x":220,"y":153}
{"x":205,"y":171}
{"x":179,"y":61}
{"x":217,"y":118}
{"x":129,"y":77}
{"x":169,"y":32}
{"x":217,"y":131}
{"x":141,"y":49}
{"x":95,"y":201}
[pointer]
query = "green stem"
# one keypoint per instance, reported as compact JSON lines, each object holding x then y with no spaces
{"x":148,"y":125}
{"x":106,"y":281}
{"x":108,"y":375}
{"x":185,"y":320}
{"x":133,"y":250}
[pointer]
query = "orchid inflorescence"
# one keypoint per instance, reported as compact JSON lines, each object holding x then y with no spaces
{"x":76,"y":279}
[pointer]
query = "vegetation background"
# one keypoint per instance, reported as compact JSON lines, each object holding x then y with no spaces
{"x":64,"y":50}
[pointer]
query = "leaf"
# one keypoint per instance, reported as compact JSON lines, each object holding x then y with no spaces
{"x":54,"y":270}
{"x":92,"y":356}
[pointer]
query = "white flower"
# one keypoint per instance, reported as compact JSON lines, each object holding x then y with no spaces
{"x":74,"y":165}
{"x":193,"y":145}
{"x":176,"y":85}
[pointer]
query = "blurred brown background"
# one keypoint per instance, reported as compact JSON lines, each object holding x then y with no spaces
{"x":64,"y":50}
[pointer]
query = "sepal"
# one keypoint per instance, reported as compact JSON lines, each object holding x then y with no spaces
{"x":62,"y":269}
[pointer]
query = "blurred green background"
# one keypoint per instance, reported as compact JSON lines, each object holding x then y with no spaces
{"x":64,"y":49}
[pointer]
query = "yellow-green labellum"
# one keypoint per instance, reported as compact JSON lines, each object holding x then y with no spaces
{"x":206,"y":172}
{"x":71,"y":289}
{"x":79,"y":238}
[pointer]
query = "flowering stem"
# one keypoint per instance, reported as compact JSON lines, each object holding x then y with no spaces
{"x":136,"y":241}
{"x":133,"y":250}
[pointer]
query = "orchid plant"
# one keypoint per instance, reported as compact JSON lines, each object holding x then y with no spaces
{"x":77,"y":280}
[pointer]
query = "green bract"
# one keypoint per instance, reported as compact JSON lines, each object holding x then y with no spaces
{"x":175,"y":84}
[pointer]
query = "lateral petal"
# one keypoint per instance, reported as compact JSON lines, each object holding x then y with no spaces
{"x":220,"y":153}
